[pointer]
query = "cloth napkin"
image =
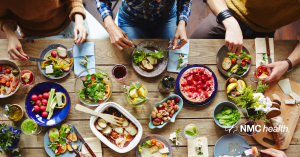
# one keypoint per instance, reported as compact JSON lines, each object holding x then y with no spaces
{"x":174,"y":55}
{"x":192,"y":150}
{"x":94,"y":144}
{"x":79,"y":51}
{"x":261,"y":48}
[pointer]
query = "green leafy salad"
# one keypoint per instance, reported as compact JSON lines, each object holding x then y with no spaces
{"x":58,"y":139}
{"x":147,"y":60}
{"x":228,"y":116}
{"x":95,"y":88}
{"x":239,"y":67}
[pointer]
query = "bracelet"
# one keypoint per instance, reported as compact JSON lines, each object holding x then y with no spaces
{"x":223,"y":15}
{"x":290,"y":65}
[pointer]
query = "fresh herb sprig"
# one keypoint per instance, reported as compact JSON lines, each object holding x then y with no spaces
{"x":7,"y":135}
{"x":261,"y":87}
{"x":177,"y":138}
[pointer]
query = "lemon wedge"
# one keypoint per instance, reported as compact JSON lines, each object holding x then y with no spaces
{"x":133,"y":93}
{"x":135,"y":100}
{"x":142,"y":92}
{"x":231,"y":86}
{"x":263,"y":76}
{"x":241,"y":86}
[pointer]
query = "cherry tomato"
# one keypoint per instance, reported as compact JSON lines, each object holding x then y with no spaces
{"x":8,"y":71}
{"x":7,"y":84}
{"x":158,"y":145}
{"x":154,"y":142}
{"x":162,"y":146}
{"x":247,"y":60}
{"x":93,"y":77}
{"x":100,"y":101}
{"x":233,"y":61}
{"x":243,"y":63}
{"x":11,"y":78}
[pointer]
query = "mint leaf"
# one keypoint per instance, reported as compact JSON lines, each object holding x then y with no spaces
{"x":189,"y":133}
{"x":195,"y":130}
{"x":26,"y":80}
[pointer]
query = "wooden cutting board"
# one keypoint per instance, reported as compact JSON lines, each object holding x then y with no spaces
{"x":289,"y":113}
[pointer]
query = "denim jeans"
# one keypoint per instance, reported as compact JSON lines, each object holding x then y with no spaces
{"x":137,"y":28}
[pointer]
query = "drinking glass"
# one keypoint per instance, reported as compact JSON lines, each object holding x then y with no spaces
{"x":13,"y":112}
{"x":30,"y":81}
{"x":249,"y":125}
{"x":119,"y":72}
{"x":190,"y":131}
{"x":30,"y":127}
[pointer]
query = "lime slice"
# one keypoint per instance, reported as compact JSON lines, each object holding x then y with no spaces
{"x":142,"y":92}
{"x":133,"y":93}
{"x":231,"y":86}
{"x":241,"y":86}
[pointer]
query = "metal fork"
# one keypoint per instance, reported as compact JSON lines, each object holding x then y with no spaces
{"x":107,"y":117}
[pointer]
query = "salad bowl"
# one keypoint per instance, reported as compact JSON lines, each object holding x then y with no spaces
{"x":152,"y":126}
{"x":13,"y":65}
{"x":86,"y":76}
{"x":219,"y":108}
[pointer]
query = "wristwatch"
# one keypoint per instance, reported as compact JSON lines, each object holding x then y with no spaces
{"x":290,"y":65}
{"x":223,"y":15}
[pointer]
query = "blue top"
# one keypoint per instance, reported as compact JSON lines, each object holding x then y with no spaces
{"x":154,"y":11}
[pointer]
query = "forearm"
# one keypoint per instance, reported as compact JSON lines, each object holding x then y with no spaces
{"x":79,"y":19}
{"x":8,"y":28}
{"x":108,"y":22}
{"x":295,"y":55}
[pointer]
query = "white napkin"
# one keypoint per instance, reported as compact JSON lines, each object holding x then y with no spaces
{"x":192,"y":151}
{"x":261,"y":48}
{"x":94,"y":144}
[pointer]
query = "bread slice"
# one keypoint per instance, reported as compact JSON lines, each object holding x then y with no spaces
{"x":70,"y":148}
{"x":276,"y":105}
{"x":72,"y":137}
{"x":147,"y":65}
{"x":66,"y":63}
{"x":142,"y":67}
{"x":226,"y":64}
{"x":62,"y":52}
{"x":276,"y":98}
{"x":53,"y":130}
{"x":152,"y":60}
{"x":278,"y":136}
{"x":273,"y":112}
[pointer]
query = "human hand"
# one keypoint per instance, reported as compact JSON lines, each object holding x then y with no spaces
{"x":15,"y":49}
{"x":233,"y":35}
{"x":274,"y":153}
{"x":180,"y":33}
{"x":117,"y":36}
{"x":79,"y":29}
{"x":278,"y":69}
{"x":83,"y":155}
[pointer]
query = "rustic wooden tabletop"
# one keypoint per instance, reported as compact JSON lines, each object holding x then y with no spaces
{"x":201,"y":52}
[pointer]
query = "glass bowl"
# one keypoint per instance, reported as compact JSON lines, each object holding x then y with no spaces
{"x":79,"y":85}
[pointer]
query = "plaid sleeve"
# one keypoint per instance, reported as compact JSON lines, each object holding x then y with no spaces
{"x":183,"y":10}
{"x":103,"y":7}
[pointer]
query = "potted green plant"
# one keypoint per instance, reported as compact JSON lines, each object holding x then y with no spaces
{"x":249,"y":102}
{"x":10,"y":136}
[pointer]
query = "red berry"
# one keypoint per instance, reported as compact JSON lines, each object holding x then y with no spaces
{"x":204,"y":87}
{"x":44,"y":101}
{"x":171,"y":104}
{"x":205,"y":94}
{"x":196,"y":77}
{"x":43,"y":108}
{"x":199,"y":86}
{"x":170,"y":115}
{"x":170,"y":98}
{"x":176,"y":99}
{"x":0,"y":68}
{"x":34,"y":97}
{"x":201,"y":71}
{"x":189,"y":81}
{"x":36,"y":108}
{"x":45,"y":114}
{"x":40,"y":97}
{"x":192,"y":89}
{"x":38,"y":102}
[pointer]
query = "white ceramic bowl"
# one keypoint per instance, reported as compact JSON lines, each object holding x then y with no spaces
{"x":129,"y":116}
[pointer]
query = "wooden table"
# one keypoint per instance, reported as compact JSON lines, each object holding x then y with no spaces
{"x":201,"y":52}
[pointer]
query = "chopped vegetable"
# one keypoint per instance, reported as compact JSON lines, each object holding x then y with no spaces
{"x":231,"y":55}
{"x":52,"y":92}
{"x":58,"y":97}
{"x":228,"y":116}
{"x":244,"y":55}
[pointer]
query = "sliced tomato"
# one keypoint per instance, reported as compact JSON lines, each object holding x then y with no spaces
{"x":100,"y":101}
{"x":60,"y":148}
{"x":154,"y":142}
{"x":93,"y":77}
{"x":89,"y":85}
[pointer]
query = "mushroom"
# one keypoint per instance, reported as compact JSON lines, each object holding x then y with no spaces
{"x":232,"y":80}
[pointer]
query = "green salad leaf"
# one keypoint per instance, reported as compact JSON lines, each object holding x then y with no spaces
{"x":57,"y":72}
{"x":245,"y":55}
{"x":228,"y":116}
{"x":231,"y":55}
{"x":53,"y":145}
{"x":157,"y":55}
{"x":138,"y":57}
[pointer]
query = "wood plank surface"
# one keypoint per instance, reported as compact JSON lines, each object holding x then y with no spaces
{"x":201,"y":52}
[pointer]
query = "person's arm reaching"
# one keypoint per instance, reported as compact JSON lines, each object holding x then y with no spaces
{"x":280,"y":67}
{"x":77,"y":15}
{"x":233,"y":36}
{"x":9,"y":26}
{"x":183,"y":13}
{"x":117,"y":36}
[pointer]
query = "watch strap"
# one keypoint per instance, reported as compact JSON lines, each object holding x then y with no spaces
{"x":290,"y":65}
{"x":223,"y":15}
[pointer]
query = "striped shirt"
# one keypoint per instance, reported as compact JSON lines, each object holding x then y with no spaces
{"x":154,"y":11}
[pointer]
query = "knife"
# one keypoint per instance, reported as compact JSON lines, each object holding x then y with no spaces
{"x":268,"y":50}
{"x":70,"y":143}
{"x":36,"y":59}
{"x":82,"y":140}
